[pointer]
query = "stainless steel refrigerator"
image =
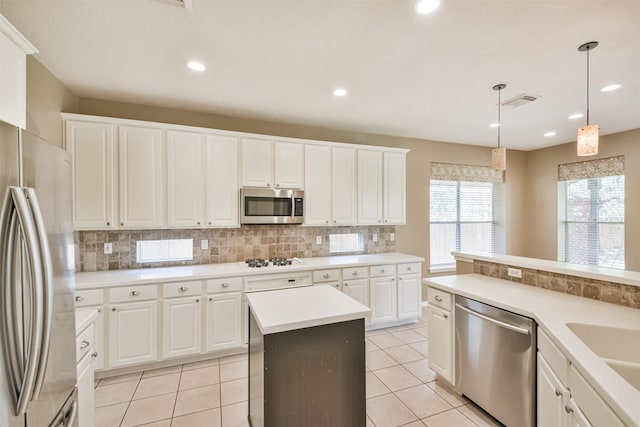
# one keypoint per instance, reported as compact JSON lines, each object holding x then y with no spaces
{"x":37,"y":318}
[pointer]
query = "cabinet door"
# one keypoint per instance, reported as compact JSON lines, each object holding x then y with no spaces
{"x":384,"y":304}
{"x":185,"y":207}
{"x":357,"y":289}
{"x":86,"y":393}
{"x":257,"y":163}
{"x":440,"y":324}
{"x":222,"y":181}
{"x":409,"y":297}
{"x":224,"y":321}
{"x":343,"y":185}
{"x":141,"y":177}
{"x":92,"y":149}
{"x":552,"y":396}
{"x":317,"y":192}
{"x":288,"y":162}
{"x":369,"y":187}
{"x":99,"y":347}
{"x":181,"y":333}
{"x":577,"y":418}
{"x":394,"y":196}
{"x":133,"y":333}
{"x":13,"y":81}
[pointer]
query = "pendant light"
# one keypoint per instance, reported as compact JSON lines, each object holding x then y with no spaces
{"x":588,"y":135}
{"x":499,"y":155}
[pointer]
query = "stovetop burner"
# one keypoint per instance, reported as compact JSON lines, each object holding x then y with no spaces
{"x":261,"y":262}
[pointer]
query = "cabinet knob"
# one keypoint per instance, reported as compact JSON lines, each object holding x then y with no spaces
{"x":210,"y":299}
{"x":94,"y":355}
{"x":334,"y":221}
{"x":446,"y":316}
{"x":382,"y":271}
{"x":122,"y":223}
{"x":268,"y":185}
{"x":326,"y":276}
{"x":134,"y":293}
{"x":198,"y":222}
{"x":108,"y":223}
{"x":210,"y":223}
{"x":113,"y":309}
{"x":393,"y":279}
{"x":558,"y":393}
{"x":224,"y":285}
{"x":326,"y":222}
{"x":378,"y":221}
{"x":99,"y":310}
{"x":346,"y":284}
{"x":568,"y":409}
{"x":408,"y":268}
{"x":278,"y":185}
{"x":355,"y":273}
{"x":183,"y":289}
{"x":197,"y":299}
{"x":386,"y":220}
{"x":79,"y":298}
{"x":84,"y":344}
{"x":438,"y":298}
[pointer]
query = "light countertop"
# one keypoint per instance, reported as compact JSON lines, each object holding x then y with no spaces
{"x":296,"y":308}
{"x":626,"y":277}
{"x":552,"y":311}
{"x":84,"y":317}
{"x":231,"y":269}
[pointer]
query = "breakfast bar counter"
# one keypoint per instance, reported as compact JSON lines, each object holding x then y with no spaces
{"x":306,"y":358}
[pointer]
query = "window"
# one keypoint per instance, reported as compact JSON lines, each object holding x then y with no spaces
{"x":350,"y":242}
{"x":592,"y":221}
{"x":164,"y":250}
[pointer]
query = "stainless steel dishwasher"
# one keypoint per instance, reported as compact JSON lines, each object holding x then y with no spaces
{"x":496,"y":361}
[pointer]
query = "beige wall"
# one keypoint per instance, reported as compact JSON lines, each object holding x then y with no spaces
{"x":541,"y":214}
{"x":46,"y":98}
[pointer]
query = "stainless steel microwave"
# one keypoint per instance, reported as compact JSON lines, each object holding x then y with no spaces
{"x":271,"y":206}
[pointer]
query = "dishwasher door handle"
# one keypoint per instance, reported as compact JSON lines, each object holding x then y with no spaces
{"x":492,"y":320}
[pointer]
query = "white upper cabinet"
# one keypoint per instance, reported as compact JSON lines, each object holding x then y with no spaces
{"x":14,"y":49}
{"x":394,"y":193}
{"x":92,"y":148}
{"x":369,"y":187}
{"x":317,"y":193}
{"x":142,"y":174}
{"x":257,"y":163}
{"x":185,"y":180}
{"x":288,"y":162}
{"x":343,"y":185}
{"x":221,"y":181}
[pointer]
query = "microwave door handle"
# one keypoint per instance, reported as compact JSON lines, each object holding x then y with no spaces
{"x":36,"y":307}
{"x":47,"y":289}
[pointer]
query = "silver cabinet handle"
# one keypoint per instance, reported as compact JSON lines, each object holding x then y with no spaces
{"x":355,"y":273}
{"x":224,"y":285}
{"x":558,"y":393}
{"x":108,"y":223}
{"x":326,"y":222}
{"x":197,"y":299}
{"x":378,"y":221}
{"x":326,"y":276}
{"x":334,"y":221}
{"x":382,"y":271}
{"x":393,"y":279}
{"x":210,"y":223}
{"x":134,"y":293}
{"x":568,"y":409}
{"x":113,"y":309}
{"x":84,"y":344}
{"x":198,"y":222}
{"x":438,"y":298}
{"x":386,"y":220}
{"x":408,"y":268}
{"x":268,"y":184}
{"x":278,"y":185}
{"x":94,"y":354}
{"x":183,"y":289}
{"x":446,"y":316}
{"x":210,"y":299}
{"x":79,"y":298}
{"x":122,"y":223}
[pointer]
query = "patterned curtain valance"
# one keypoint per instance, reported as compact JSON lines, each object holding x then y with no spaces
{"x":591,"y":169}
{"x":472,"y":173}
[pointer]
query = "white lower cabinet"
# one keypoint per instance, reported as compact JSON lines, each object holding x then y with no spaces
{"x":440,"y":324}
{"x":86,"y":395}
{"x":181,"y":331}
{"x":224,"y":321}
{"x":409,"y":296}
{"x":384,"y":305}
{"x":552,"y":396}
{"x":133,"y":333}
{"x":357,"y":289}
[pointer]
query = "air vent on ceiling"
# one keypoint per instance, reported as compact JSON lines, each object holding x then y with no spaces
{"x":520,"y":100}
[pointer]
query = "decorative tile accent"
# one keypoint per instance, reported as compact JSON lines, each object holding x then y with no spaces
{"x":225,"y":245}
{"x":615,"y":293}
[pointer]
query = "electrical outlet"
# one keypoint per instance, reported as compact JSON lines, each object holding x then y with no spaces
{"x":392,"y":237}
{"x":204,"y":244}
{"x":318,"y":240}
{"x":514,"y":272}
{"x":108,"y":248}
{"x":375,"y":237}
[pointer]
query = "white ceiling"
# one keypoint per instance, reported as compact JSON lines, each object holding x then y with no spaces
{"x":408,"y":75}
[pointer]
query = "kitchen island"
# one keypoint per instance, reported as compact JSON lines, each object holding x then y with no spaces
{"x":306,"y":358}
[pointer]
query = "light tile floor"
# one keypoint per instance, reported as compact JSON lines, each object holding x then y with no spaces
{"x":401,"y":390}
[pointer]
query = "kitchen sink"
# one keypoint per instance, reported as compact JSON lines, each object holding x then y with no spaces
{"x":618,"y":347}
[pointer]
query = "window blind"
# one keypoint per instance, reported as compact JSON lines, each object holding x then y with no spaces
{"x":591,"y":212}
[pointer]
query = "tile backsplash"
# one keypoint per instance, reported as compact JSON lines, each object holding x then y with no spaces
{"x":225,"y":245}
{"x":614,"y":293}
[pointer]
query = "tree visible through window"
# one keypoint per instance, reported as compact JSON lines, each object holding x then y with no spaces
{"x":461,"y":219}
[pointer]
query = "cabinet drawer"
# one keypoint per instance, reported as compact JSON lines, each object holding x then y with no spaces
{"x":85,"y":342}
{"x":555,"y":358}
{"x":89,"y":297}
{"x":181,"y":289}
{"x":326,"y":275}
{"x":590,"y":403}
{"x":224,"y":285}
{"x":382,"y":270}
{"x":439,"y":298}
{"x":354,"y":273}
{"x":133,"y":293}
{"x":409,"y":268}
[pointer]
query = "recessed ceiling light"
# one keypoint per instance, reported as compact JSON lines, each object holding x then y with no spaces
{"x":196,"y":66}
{"x":427,"y":6}
{"x":610,"y":88}
{"x":494,"y":125}
{"x":550,"y":133}
{"x":339,"y":91}
{"x":575,"y":116}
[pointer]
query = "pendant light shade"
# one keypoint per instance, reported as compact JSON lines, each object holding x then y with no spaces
{"x":499,"y":155}
{"x":587,"y":142}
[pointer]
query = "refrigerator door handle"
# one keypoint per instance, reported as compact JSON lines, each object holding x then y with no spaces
{"x":47,"y":286}
{"x":23,"y":386}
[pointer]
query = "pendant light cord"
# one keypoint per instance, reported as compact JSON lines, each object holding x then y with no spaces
{"x":499,"y":122}
{"x":588,"y":86}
